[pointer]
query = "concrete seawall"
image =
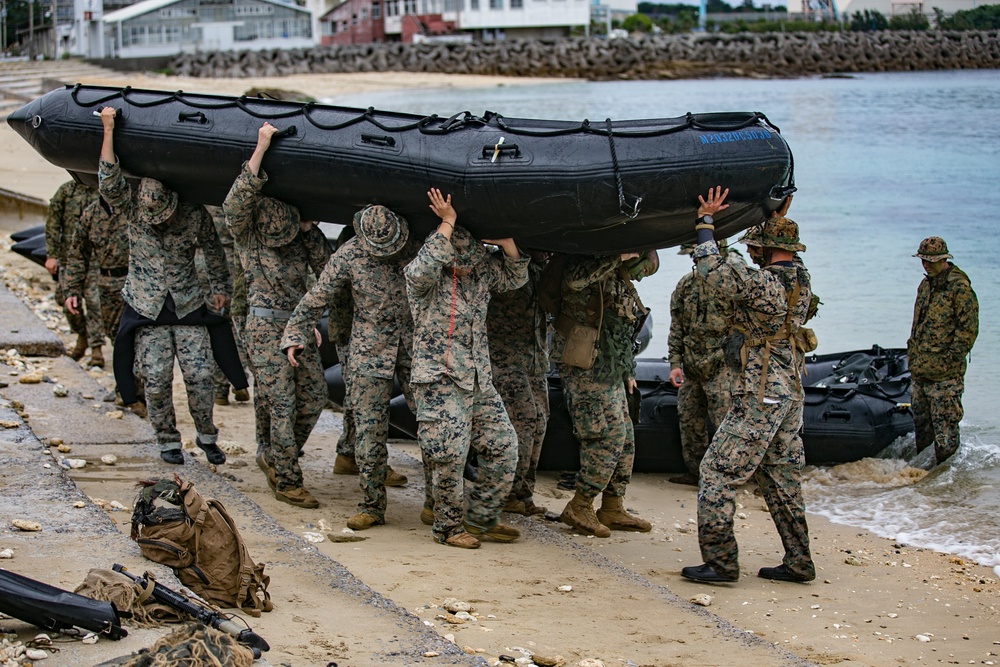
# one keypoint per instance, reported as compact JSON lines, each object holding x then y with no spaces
{"x":651,"y":57}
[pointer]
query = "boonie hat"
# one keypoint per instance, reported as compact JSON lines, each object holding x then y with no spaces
{"x":277,"y":222}
{"x":751,"y":237}
{"x":468,"y":251}
{"x":933,"y":249}
{"x":781,"y":233}
{"x":380,"y":231}
{"x":156,"y":204}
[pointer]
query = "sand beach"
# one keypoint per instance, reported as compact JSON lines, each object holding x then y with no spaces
{"x":875,"y":602}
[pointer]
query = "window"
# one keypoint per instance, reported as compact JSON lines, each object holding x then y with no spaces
{"x":496,"y":4}
{"x":474,"y":4}
{"x":376,"y":11}
{"x":392,"y":8}
{"x":409,"y":6}
{"x":517,"y":4}
{"x":354,"y":19}
{"x":364,"y":13}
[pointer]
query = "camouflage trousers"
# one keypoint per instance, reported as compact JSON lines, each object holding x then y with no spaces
{"x":601,"y":423}
{"x":345,"y":445}
{"x":87,"y":321}
{"x":112,"y":303}
{"x":937,"y":411}
{"x":525,"y":395}
{"x":759,"y":440}
{"x":156,"y":348}
{"x":368,"y":402}
{"x":450,"y":420}
{"x":287,"y":400}
{"x":698,"y":403}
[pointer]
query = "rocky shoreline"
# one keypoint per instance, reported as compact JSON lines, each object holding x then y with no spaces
{"x":648,"y":57}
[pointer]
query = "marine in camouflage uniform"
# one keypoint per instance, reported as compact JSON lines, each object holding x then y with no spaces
{"x":163,"y":234}
{"x":277,"y":250}
{"x":760,"y":437}
{"x":598,"y":292}
{"x":945,"y":327}
{"x":100,"y":245}
{"x":519,"y":355}
{"x":365,"y":275}
{"x":65,"y":210}
{"x":448,"y":285}
{"x":700,"y":318}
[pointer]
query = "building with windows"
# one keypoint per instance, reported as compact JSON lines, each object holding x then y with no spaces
{"x":486,"y":19}
{"x":353,"y":22}
{"x":165,"y":27}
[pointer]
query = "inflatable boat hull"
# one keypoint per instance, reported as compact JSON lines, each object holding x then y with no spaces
{"x":856,"y":405}
{"x":567,"y":186}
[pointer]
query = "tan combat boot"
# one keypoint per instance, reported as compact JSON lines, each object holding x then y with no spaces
{"x":499,"y":532}
{"x":362,"y":521}
{"x":579,"y":513}
{"x":76,"y":354}
{"x":298,"y":497}
{"x":427,"y":516}
{"x":613,"y":515}
{"x":393,"y":478}
{"x":346,"y":465}
{"x":97,"y":356}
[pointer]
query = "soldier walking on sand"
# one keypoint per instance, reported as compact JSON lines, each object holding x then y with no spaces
{"x":760,"y":437}
{"x":700,"y":318}
{"x":365,"y":277}
{"x":165,"y":315}
{"x":65,"y":210}
{"x":945,"y":327}
{"x":448,"y":285}
{"x":276,"y":250}
{"x":598,"y":374}
{"x":519,"y":355}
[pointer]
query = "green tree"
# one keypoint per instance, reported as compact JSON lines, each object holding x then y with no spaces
{"x":638,"y":23}
{"x":913,"y":20}
{"x":984,"y":17}
{"x":871,"y":20}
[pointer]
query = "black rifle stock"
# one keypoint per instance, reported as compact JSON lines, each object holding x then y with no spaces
{"x":209,"y":617}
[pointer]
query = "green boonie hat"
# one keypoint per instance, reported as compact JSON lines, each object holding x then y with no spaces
{"x":381,"y":232}
{"x":781,"y":233}
{"x":933,"y":249}
{"x":155,"y":203}
{"x":277,"y":222}
{"x":468,"y":250}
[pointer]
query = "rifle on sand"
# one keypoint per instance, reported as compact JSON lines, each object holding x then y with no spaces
{"x":210,"y":617}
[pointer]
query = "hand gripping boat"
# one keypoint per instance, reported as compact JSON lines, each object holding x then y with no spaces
{"x":567,"y":186}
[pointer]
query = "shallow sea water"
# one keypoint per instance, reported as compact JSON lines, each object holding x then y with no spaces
{"x":882,"y":161}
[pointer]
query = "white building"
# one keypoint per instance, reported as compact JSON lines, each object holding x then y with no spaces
{"x":494,"y":19}
{"x":888,"y":8}
{"x":165,"y":27}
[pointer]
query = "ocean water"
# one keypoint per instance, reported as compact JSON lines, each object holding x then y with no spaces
{"x":882,"y":161}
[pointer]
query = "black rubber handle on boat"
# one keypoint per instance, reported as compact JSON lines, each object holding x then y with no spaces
{"x":197,"y":116}
{"x":503,"y":148}
{"x":837,"y":414}
{"x":289,"y":131}
{"x":377,"y":140}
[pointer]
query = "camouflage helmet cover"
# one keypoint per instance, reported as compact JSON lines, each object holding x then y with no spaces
{"x":155,"y":202}
{"x":781,"y":233}
{"x":933,"y":249}
{"x":381,"y":232}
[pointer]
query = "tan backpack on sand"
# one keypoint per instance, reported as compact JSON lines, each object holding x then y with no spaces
{"x":175,"y":525}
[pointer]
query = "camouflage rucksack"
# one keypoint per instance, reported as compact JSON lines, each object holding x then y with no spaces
{"x":175,"y":525}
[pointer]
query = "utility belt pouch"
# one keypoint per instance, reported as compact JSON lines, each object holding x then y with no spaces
{"x":732,"y":348}
{"x":581,"y":346}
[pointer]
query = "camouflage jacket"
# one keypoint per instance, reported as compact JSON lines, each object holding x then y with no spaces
{"x":382,"y":326}
{"x":449,"y":314}
{"x":161,"y":259}
{"x":760,"y":309}
{"x":65,"y":209}
{"x":99,"y":237}
{"x":584,"y":279}
{"x":517,"y":327}
{"x":945,"y":326}
{"x":700,"y":319}
{"x":276,"y":277}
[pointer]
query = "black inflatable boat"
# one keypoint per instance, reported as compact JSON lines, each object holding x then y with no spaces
{"x":856,"y":405}
{"x":570,"y":186}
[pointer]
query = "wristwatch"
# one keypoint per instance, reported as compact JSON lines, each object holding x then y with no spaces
{"x":706,"y":220}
